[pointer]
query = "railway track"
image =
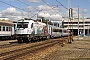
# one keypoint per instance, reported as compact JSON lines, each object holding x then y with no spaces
{"x":9,"y":45}
{"x":14,"y":44}
{"x":12,"y":55}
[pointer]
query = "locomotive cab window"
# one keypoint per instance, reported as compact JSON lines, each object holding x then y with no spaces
{"x":22,"y":25}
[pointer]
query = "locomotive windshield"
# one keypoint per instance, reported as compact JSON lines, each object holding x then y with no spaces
{"x":22,"y":24}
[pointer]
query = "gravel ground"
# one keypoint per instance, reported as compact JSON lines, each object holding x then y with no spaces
{"x":78,"y":50}
{"x":15,"y":47}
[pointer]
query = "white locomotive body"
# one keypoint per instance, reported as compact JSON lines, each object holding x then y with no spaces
{"x":29,"y":30}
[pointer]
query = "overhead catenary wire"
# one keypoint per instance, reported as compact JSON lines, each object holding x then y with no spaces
{"x":62,"y":4}
{"x":36,"y":9}
{"x":29,"y":5}
{"x":23,"y":2}
{"x":36,"y":13}
{"x":17,"y":7}
{"x":62,"y":12}
{"x":12,"y":5}
{"x":54,"y":9}
{"x":51,"y":7}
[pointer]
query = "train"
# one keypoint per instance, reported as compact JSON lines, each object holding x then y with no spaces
{"x":27,"y":30}
{"x":30,"y":30}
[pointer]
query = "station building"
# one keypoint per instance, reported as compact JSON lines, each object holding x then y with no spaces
{"x":78,"y":26}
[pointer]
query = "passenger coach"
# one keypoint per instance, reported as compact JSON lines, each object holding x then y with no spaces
{"x":6,"y":29}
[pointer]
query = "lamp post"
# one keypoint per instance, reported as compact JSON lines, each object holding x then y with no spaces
{"x":83,"y":25}
{"x":78,"y":22}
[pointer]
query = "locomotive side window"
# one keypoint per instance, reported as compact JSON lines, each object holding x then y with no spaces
{"x":32,"y":25}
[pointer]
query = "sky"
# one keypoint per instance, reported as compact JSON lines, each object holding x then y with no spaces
{"x":49,"y":9}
